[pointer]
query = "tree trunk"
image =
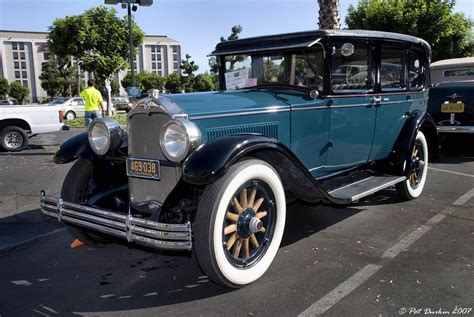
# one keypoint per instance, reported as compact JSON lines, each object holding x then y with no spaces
{"x":328,"y":14}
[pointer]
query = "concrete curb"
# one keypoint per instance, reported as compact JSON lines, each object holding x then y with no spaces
{"x":26,"y":243}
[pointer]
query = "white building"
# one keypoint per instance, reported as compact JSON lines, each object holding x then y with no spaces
{"x":22,"y":53}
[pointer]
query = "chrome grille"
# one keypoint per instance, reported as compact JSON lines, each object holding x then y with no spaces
{"x":144,"y":128}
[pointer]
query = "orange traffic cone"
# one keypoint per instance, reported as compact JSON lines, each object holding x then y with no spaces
{"x":76,"y":244}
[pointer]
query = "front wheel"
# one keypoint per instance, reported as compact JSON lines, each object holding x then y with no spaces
{"x":240,"y":223}
{"x":417,"y":170}
{"x":13,"y":139}
{"x":77,"y":188}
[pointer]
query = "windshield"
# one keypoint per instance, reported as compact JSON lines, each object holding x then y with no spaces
{"x":301,"y":68}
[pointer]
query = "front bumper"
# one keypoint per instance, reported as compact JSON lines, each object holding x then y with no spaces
{"x":455,"y":129}
{"x":145,"y":232}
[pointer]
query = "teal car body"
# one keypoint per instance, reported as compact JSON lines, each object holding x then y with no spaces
{"x":322,"y":116}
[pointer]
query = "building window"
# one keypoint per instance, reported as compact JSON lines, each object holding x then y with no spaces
{"x":22,"y":55}
{"x":153,"y":49}
{"x":17,"y":65}
{"x":153,"y":66}
{"x":14,"y":46}
{"x":22,"y":46}
{"x":17,"y":74}
{"x":23,"y":74}
{"x":23,"y":65}
{"x":25,"y":83}
{"x":15,"y":55}
{"x":46,"y":56}
{"x":153,"y":57}
{"x":175,"y":65}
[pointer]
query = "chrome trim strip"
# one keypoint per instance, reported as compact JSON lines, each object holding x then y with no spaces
{"x":369,"y":103}
{"x":455,"y":129}
{"x":237,"y":114}
{"x":142,"y":231}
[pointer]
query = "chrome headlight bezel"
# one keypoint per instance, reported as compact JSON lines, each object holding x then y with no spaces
{"x":191,"y":134}
{"x":114,"y":135}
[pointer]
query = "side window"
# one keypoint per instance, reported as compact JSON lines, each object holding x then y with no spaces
{"x":416,"y":70}
{"x":351,"y":71}
{"x":392,"y":72}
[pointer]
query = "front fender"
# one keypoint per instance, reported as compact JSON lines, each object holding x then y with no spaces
{"x":211,"y":160}
{"x":78,"y":146}
{"x":72,"y":148}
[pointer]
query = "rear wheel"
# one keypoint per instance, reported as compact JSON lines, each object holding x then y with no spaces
{"x":240,"y":223}
{"x":77,"y":188}
{"x":13,"y":139}
{"x":418,"y":168}
{"x":70,"y":115}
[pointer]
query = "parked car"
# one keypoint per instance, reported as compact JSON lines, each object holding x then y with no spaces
{"x":122,"y":103}
{"x":452,"y":70}
{"x":8,"y":102}
{"x":71,"y":107}
{"x":212,"y":170}
{"x":18,"y":123}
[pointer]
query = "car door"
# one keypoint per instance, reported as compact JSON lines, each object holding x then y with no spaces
{"x":352,"y":110}
{"x":80,"y":107}
{"x":400,"y":81}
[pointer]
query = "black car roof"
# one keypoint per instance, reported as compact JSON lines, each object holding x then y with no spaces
{"x":304,"y":40}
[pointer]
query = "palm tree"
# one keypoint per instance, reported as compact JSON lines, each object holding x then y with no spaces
{"x":328,"y":14}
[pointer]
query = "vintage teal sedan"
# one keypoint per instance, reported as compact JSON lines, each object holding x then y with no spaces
{"x":323,"y":116}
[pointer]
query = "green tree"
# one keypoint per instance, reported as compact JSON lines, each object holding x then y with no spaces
{"x":53,"y":77}
{"x":204,"y":82}
{"x":174,"y":83}
{"x":115,"y":87}
{"x":432,"y":20}
{"x":188,"y":67}
{"x":145,"y":81}
{"x":4,"y":87}
{"x":234,"y":35}
{"x":97,"y":38}
{"x":18,"y":91}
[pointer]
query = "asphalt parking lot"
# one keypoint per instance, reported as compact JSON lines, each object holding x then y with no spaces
{"x":381,"y":257}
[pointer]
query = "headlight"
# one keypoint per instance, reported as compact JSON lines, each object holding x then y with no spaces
{"x":178,"y":138}
{"x":105,"y":135}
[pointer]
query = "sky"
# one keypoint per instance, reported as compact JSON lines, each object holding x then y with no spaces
{"x":197,"y":24}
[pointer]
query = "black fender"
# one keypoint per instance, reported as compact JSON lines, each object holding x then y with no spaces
{"x":78,"y":146}
{"x":417,"y":121}
{"x":72,"y":148}
{"x":212,"y":160}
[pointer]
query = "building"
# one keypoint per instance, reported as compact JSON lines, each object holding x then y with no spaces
{"x":22,"y":53}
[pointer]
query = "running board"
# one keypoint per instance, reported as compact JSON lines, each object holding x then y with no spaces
{"x":365,"y":187}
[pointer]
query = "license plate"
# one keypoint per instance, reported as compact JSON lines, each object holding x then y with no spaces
{"x":143,"y":168}
{"x":452,"y":107}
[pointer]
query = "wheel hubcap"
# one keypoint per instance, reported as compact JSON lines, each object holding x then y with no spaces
{"x":249,"y":223}
{"x":417,"y":165}
{"x":13,"y":140}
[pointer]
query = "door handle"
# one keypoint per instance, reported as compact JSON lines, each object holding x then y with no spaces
{"x":377,"y":99}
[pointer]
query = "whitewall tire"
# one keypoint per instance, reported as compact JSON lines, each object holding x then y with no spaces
{"x":417,"y":170}
{"x":240,"y":223}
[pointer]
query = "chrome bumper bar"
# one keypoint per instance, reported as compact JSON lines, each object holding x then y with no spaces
{"x":456,"y":129}
{"x":149,"y":233}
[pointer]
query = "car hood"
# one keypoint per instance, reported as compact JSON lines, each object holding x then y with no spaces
{"x":232,"y":102}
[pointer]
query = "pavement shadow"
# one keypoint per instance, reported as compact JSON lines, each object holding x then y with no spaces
{"x":456,"y":145}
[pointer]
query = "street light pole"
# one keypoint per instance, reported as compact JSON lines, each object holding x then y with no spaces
{"x":132,"y":68}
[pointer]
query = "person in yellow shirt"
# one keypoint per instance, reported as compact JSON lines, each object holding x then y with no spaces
{"x":93,"y":99}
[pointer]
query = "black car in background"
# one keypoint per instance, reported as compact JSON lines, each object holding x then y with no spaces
{"x":122,"y":103}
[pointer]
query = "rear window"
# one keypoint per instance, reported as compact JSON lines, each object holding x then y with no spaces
{"x":459,"y":72}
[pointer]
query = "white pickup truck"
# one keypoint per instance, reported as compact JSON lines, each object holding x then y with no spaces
{"x":18,"y":123}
